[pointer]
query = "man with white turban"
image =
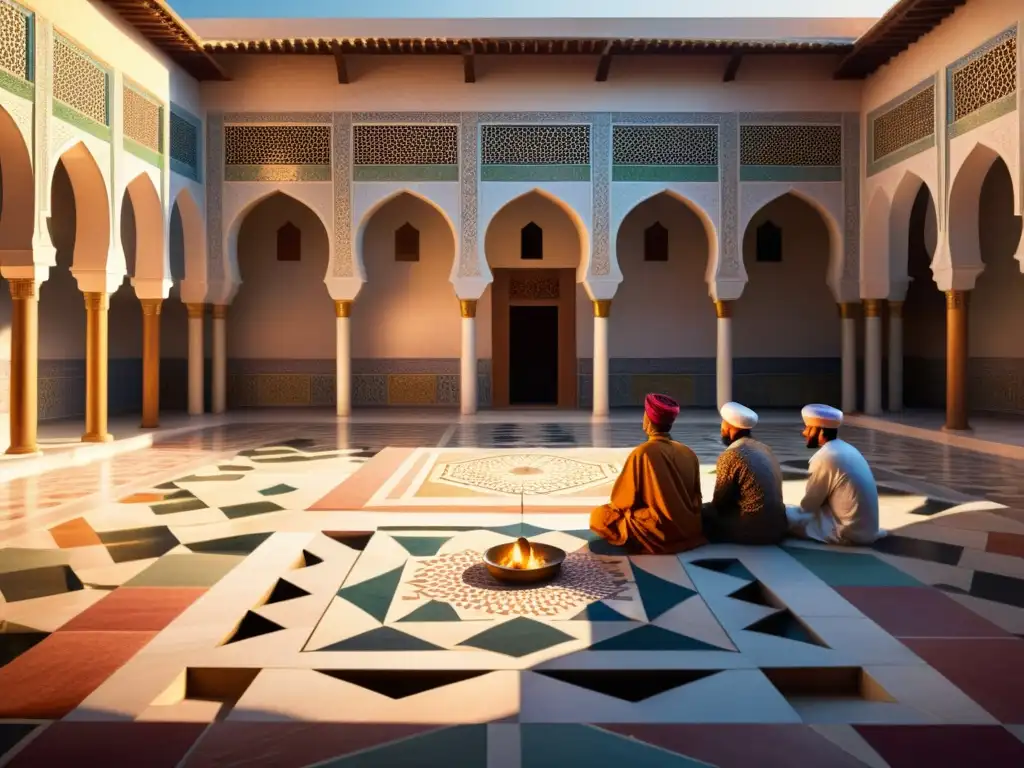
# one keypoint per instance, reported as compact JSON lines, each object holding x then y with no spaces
{"x":840,"y":505}
{"x":747,"y":507}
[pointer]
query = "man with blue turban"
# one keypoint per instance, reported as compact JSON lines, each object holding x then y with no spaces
{"x":840,"y":505}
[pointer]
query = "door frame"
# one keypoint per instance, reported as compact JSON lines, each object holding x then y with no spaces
{"x":533,"y":287}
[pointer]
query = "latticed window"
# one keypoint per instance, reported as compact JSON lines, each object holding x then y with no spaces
{"x":531,"y":245}
{"x":656,"y":243}
{"x":769,"y":242}
{"x":407,"y":243}
{"x":289,"y":243}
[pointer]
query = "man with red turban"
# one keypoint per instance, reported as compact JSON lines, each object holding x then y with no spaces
{"x":656,"y":504}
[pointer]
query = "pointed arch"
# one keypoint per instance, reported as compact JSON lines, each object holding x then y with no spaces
{"x":234,"y":276}
{"x":581,"y":264}
{"x":835,"y":231}
{"x":150,"y":259}
{"x":367,"y":217}
{"x":965,"y":205}
{"x":193,"y":240}
{"x":17,"y":205}
{"x":692,"y":205}
{"x":92,"y":209}
{"x":905,"y":195}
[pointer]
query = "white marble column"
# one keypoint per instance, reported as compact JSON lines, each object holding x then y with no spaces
{"x":896,"y":356}
{"x":220,"y":358}
{"x":602,"y":311}
{"x":343,"y":356}
{"x":873,"y":357}
{"x":196,"y":313}
{"x":849,"y":357}
{"x":467,"y":359}
{"x":723,"y":358}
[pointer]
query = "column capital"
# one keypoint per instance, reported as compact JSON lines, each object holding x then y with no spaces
{"x":220,"y":311}
{"x":956,"y":300}
{"x":96,"y":301}
{"x":723,"y":308}
{"x":342,"y":307}
{"x":602,"y":307}
{"x":467,"y":308}
{"x":196,"y":310}
{"x":151,"y":306}
{"x":848,"y":310}
{"x":873,"y":307}
{"x":895,"y":309}
{"x":22,"y":288}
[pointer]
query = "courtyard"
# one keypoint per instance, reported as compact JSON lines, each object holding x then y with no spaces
{"x":282,"y":590}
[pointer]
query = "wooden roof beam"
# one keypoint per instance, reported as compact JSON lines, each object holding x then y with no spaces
{"x":732,"y":67}
{"x":339,"y":63}
{"x":604,"y":64}
{"x":468,"y":64}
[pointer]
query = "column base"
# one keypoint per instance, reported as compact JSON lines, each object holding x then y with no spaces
{"x":97,"y":438}
{"x":27,"y":451}
{"x":149,"y":425}
{"x":964,"y":430}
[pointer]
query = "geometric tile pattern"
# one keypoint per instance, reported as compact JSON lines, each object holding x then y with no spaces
{"x":405,"y":145}
{"x":904,"y":124}
{"x":79,"y":81}
{"x":223,"y":623}
{"x":526,"y":473}
{"x":665,"y":144}
{"x":793,"y":145}
{"x":535,"y":144}
{"x":14,"y":29}
{"x":143,"y":119}
{"x":986,"y":77}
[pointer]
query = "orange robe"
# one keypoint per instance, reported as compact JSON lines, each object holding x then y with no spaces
{"x":655,"y":504}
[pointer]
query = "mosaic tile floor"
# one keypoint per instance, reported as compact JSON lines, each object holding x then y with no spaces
{"x":297,"y":594}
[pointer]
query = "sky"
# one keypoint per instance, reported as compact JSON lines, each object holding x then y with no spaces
{"x":468,"y":9}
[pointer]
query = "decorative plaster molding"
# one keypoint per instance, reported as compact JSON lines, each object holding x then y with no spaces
{"x":600,"y":180}
{"x":277,"y":118}
{"x":851,"y":195}
{"x":794,"y":118}
{"x":428,"y":118}
{"x":43,"y":65}
{"x":341,"y":159}
{"x":668,"y":118}
{"x":729,"y":262}
{"x":469,"y":149}
{"x":215,"y":189}
{"x":530,"y":118}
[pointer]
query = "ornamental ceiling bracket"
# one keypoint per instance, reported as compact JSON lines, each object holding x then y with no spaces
{"x":604,"y":64}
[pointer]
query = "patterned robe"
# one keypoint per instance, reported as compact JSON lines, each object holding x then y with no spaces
{"x":655,"y":505}
{"x":747,"y":507}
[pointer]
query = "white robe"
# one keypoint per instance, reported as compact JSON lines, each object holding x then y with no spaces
{"x":840,"y":505}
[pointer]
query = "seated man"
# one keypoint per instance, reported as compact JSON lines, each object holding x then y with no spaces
{"x":841,"y":502}
{"x":747,"y":507}
{"x":655,"y":503}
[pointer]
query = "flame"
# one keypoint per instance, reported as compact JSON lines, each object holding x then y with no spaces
{"x":522,"y":556}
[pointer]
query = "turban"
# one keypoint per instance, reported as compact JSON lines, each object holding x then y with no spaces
{"x":738,"y":416}
{"x":661,"y":410}
{"x":824,"y":416}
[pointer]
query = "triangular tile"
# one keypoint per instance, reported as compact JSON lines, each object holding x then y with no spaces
{"x":727,"y":565}
{"x":356,"y":540}
{"x":402,"y":683}
{"x":421,"y":546}
{"x":309,"y":559}
{"x":382,"y":639}
{"x":694,"y":619}
{"x":518,"y":637}
{"x":666,"y":568}
{"x":649,"y":637}
{"x":243,"y":544}
{"x":628,"y":684}
{"x":657,"y":594}
{"x":374,"y":595}
{"x":252,"y":625}
{"x":462,"y":745}
{"x":756,"y":593}
{"x":433,"y":611}
{"x":551,"y":744}
{"x":785,"y":625}
{"x":586,"y":535}
{"x":599,"y":611}
{"x":285,"y":590}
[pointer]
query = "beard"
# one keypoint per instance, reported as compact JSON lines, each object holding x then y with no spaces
{"x":727,"y":441}
{"x":812,"y":443}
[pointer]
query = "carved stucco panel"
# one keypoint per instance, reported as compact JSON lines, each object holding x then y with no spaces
{"x":341,"y":160}
{"x":215,"y":191}
{"x":469,"y":147}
